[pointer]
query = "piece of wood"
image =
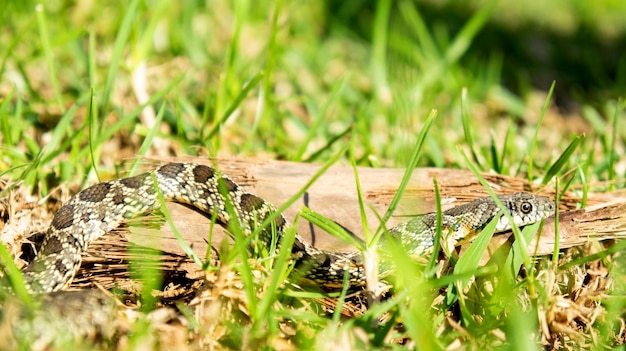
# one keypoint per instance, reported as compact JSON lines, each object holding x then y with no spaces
{"x":334,"y":196}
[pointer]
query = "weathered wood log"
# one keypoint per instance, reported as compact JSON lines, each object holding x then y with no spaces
{"x":334,"y":195}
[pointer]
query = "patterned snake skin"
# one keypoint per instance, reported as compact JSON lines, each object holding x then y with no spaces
{"x":98,"y":209}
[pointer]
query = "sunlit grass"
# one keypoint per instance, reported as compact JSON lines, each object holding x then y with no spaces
{"x":306,"y":82}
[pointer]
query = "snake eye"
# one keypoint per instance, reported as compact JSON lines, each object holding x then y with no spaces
{"x":526,"y":207}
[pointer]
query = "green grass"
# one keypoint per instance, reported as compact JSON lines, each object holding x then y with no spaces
{"x":351,"y":83}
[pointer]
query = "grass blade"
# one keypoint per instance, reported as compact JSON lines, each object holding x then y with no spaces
{"x":47,"y":48}
{"x":15,"y":277}
{"x":613,"y":155}
{"x":465,"y":120}
{"x":244,"y":92}
{"x":533,"y":143}
{"x":469,"y":261}
{"x":319,"y":118}
{"x":379,"y":48}
{"x":563,"y":159}
{"x":332,"y":228}
{"x":432,"y":261}
{"x":130,"y":17}
{"x":417,"y":150}
{"x":516,"y":231}
{"x":181,"y":240}
{"x":147,"y":142}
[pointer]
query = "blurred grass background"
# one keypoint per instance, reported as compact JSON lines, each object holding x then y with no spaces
{"x":86,"y":85}
{"x":316,"y":75}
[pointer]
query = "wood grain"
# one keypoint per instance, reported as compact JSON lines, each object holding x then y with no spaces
{"x":334,"y":196}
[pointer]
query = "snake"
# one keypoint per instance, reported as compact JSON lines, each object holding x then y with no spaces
{"x":100,"y":208}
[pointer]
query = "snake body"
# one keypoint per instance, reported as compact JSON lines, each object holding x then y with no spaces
{"x":96,"y":210}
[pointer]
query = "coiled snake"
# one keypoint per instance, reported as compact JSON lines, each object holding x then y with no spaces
{"x":100,"y":208}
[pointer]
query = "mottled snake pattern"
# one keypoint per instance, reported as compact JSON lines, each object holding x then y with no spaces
{"x":101,"y":208}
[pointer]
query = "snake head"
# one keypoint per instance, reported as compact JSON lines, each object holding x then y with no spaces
{"x":525,"y":209}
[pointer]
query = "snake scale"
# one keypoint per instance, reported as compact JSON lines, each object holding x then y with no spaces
{"x":102,"y":207}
